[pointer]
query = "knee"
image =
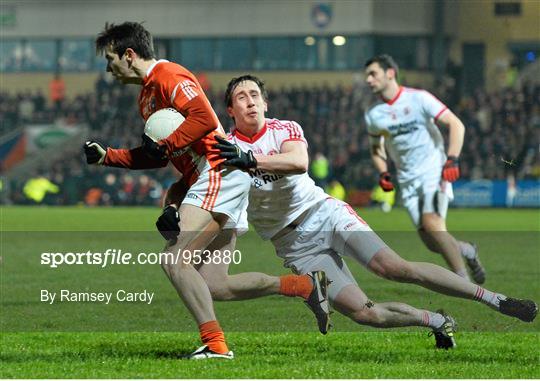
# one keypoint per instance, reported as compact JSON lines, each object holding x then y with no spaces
{"x":219,"y":292}
{"x":433,"y":223}
{"x":368,"y":316}
{"x":397,"y":271}
{"x":175,"y":270}
{"x":218,"y":287}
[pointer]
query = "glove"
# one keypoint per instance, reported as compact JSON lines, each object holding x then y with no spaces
{"x":95,"y":152}
{"x":152,"y":149}
{"x":450,"y":170}
{"x":385,"y":181}
{"x":234,"y":155}
{"x":168,"y":223}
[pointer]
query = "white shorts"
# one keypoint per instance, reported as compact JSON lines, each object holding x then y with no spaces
{"x":222,"y":190}
{"x":325,"y":233}
{"x":332,"y":264}
{"x":426,"y":195}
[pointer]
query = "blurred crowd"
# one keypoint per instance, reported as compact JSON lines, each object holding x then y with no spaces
{"x":501,"y":139}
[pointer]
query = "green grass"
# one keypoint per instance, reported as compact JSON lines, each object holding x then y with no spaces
{"x":273,"y":337}
{"x":265,"y":355}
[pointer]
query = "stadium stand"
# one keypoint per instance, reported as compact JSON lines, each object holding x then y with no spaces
{"x":501,"y":127}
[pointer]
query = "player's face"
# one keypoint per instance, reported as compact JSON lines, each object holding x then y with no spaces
{"x":118,"y":66}
{"x":248,"y":105}
{"x":376,"y":78}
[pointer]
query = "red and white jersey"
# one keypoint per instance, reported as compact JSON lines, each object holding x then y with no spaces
{"x":276,"y":200}
{"x":411,"y":137}
{"x":190,"y":148}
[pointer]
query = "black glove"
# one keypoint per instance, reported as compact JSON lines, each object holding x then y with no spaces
{"x":234,"y":155}
{"x":95,"y":152}
{"x":152,"y":149}
{"x":168,"y":223}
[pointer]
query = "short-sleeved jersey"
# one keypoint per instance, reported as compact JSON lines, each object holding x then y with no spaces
{"x":276,"y":200}
{"x":411,"y":137}
{"x":190,"y":150}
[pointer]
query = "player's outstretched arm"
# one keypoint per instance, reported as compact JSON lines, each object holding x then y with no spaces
{"x":233,"y":155}
{"x":134,"y":158}
{"x":95,"y":152}
{"x":293,"y":159}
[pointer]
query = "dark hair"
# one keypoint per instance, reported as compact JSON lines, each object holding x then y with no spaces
{"x":233,"y":83}
{"x":385,"y":61}
{"x":127,"y":35}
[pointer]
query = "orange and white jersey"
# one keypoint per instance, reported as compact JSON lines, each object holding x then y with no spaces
{"x":190,"y":148}
{"x":276,"y":200}
{"x":411,"y":137}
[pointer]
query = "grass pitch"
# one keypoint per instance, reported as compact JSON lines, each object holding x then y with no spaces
{"x":273,"y":337}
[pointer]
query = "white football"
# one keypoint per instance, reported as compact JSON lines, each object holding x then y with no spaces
{"x":162,"y":123}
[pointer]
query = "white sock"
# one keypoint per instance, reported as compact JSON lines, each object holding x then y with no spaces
{"x":467,"y":250}
{"x":432,"y":319}
{"x":492,"y":299}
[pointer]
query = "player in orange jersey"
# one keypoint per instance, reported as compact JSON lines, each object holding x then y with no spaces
{"x":216,"y":194}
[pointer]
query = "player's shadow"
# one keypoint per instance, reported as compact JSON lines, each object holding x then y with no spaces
{"x":96,"y":353}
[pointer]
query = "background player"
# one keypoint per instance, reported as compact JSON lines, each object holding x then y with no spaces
{"x":217,"y":194}
{"x":311,"y":231}
{"x":404,"y":121}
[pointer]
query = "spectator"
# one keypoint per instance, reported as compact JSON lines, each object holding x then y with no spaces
{"x":501,"y":136}
{"x":336,"y":190}
{"x":57,"y":92}
{"x":320,"y":169}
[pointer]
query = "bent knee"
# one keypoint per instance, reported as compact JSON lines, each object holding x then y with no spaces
{"x":398,"y":270}
{"x":220,"y":292}
{"x":218,"y":287}
{"x":368,"y":316}
{"x":433,"y":223}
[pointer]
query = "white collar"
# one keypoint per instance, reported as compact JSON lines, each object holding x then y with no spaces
{"x":153,"y":66}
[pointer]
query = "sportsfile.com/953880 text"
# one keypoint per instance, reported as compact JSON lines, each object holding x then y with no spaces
{"x":119,"y":257}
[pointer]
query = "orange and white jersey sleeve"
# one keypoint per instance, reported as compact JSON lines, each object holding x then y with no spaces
{"x":168,"y":84}
{"x":134,"y":158}
{"x":186,"y":95}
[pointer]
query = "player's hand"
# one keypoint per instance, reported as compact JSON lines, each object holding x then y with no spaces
{"x":95,"y":152}
{"x":385,"y":181}
{"x":152,"y":149}
{"x":234,"y":155}
{"x":450,"y":170}
{"x":168,"y":223}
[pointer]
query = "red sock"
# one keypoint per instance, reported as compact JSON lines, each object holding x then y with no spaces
{"x":213,"y":336}
{"x":295,"y":285}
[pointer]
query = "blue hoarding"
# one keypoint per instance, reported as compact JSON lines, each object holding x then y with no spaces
{"x":498,"y":193}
